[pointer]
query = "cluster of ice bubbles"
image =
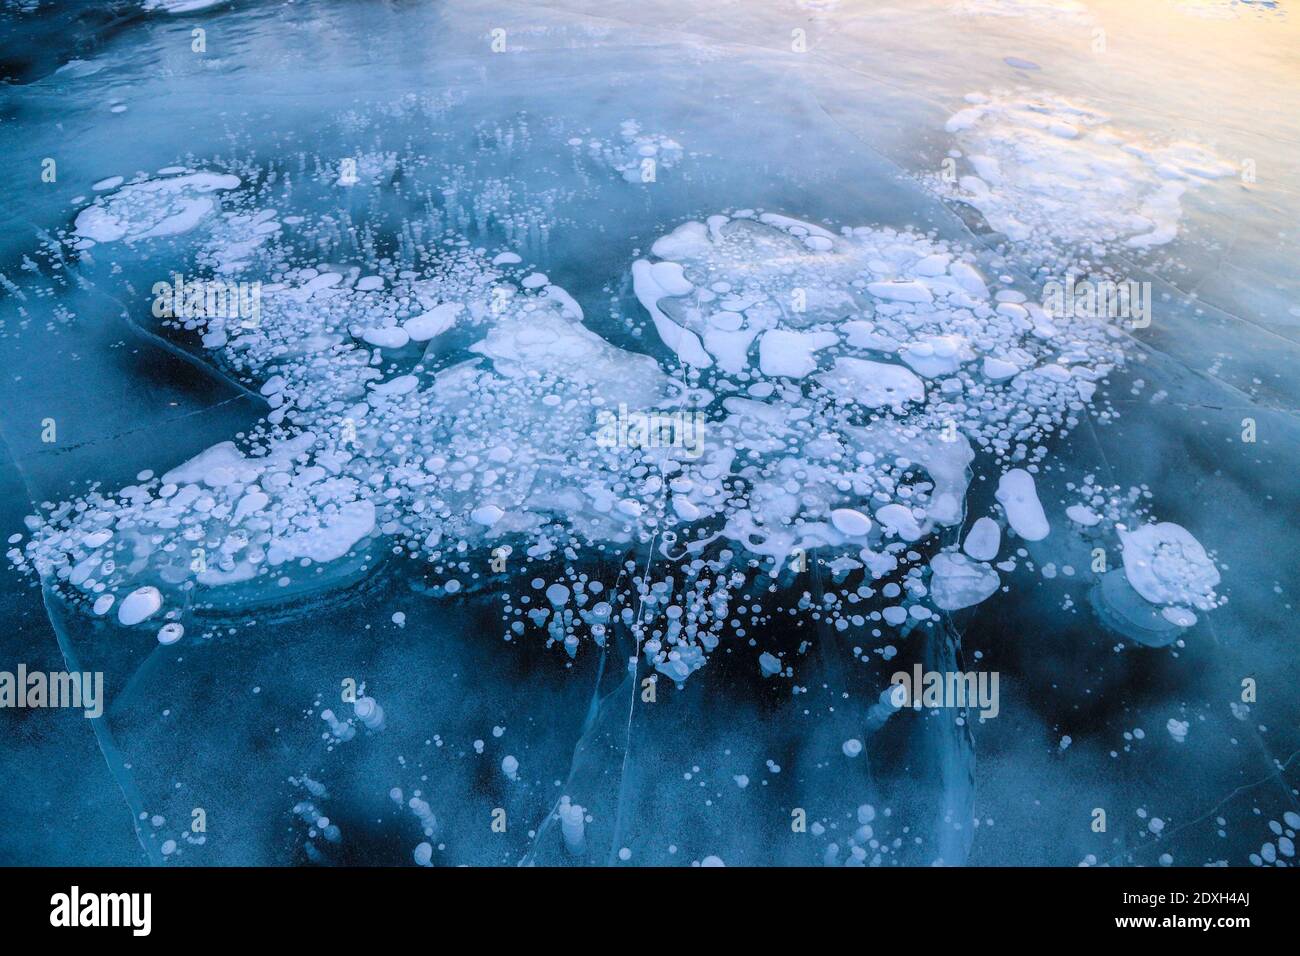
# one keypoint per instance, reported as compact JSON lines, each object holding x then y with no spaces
{"x":463,"y":414}
{"x":635,"y":155}
{"x":1057,"y":176}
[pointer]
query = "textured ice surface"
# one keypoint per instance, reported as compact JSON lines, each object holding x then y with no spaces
{"x":152,"y":207}
{"x":1069,"y":10}
{"x":1049,"y":170}
{"x":592,"y":457}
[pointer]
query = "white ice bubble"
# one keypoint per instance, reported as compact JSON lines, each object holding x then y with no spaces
{"x":170,"y":633}
{"x":140,"y":605}
{"x":1018,"y":496}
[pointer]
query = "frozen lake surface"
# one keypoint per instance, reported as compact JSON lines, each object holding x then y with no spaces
{"x":652,"y":433}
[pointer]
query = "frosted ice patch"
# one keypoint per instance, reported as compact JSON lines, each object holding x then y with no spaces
{"x":636,"y":156}
{"x":900,"y":520}
{"x":817,"y":427}
{"x":957,"y":582}
{"x":1047,"y":169}
{"x":1166,"y":565}
{"x":872,"y":384}
{"x":170,"y":633}
{"x":851,"y":522}
{"x":1083,"y":516}
{"x":901,"y":291}
{"x":386,"y":338}
{"x":983,"y":540}
{"x":327,"y":535}
{"x":1019,"y":498}
{"x":181,"y":6}
{"x":936,"y":355}
{"x":432,"y":323}
{"x":140,"y":605}
{"x":153,"y":208}
{"x":791,"y":354}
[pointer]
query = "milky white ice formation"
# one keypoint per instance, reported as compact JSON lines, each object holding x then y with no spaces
{"x":140,"y":605}
{"x":636,"y":156}
{"x":181,"y":6}
{"x":959,"y":582}
{"x":846,"y":383}
{"x":153,"y":207}
{"x":847,"y":360}
{"x":363,"y":441}
{"x":1018,"y":496}
{"x":1166,"y":565}
{"x":983,"y":540}
{"x":573,"y":825}
{"x":1048,"y":170}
